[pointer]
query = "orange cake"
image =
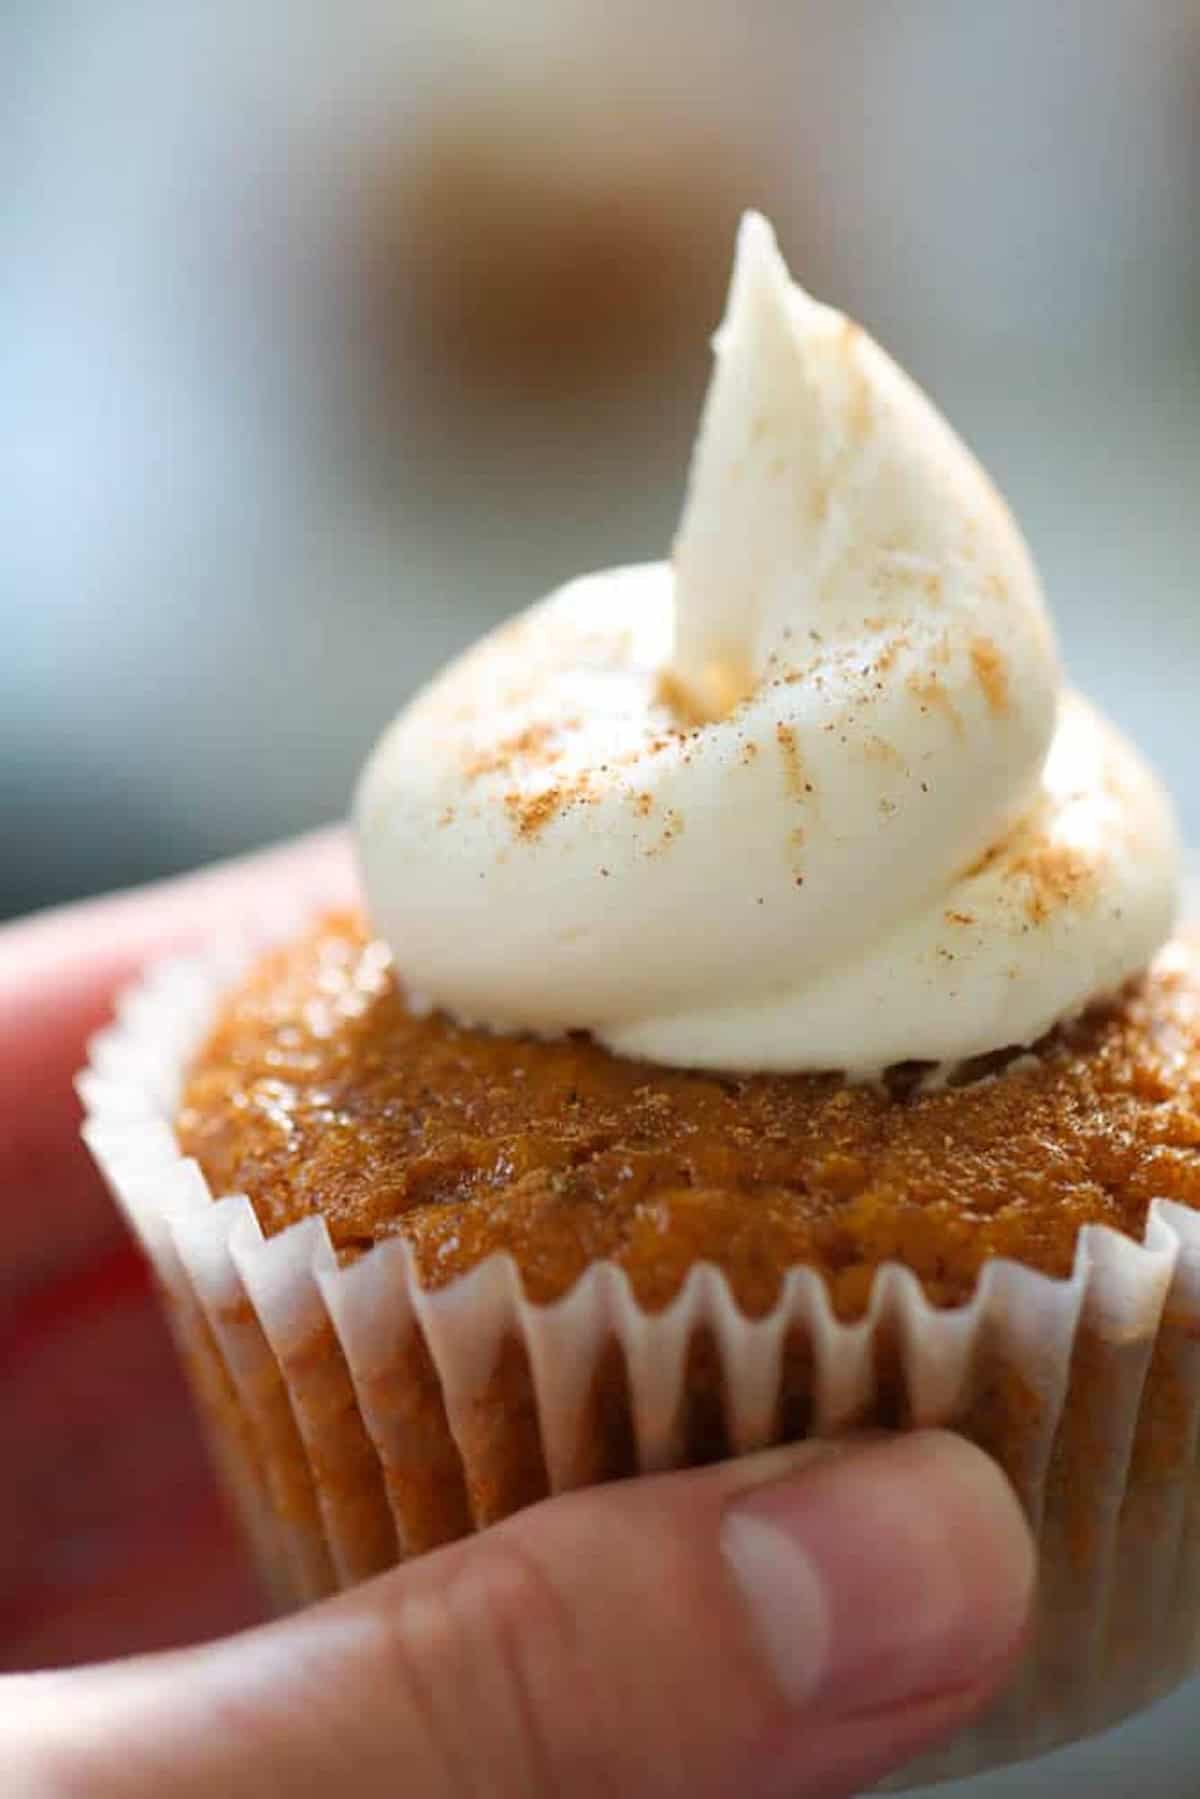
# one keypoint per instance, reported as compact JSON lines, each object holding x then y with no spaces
{"x":319,"y":1092}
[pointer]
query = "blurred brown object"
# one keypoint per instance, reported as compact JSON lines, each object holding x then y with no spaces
{"x":538,"y":246}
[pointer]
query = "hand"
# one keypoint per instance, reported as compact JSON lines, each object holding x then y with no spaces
{"x":797,"y":1623}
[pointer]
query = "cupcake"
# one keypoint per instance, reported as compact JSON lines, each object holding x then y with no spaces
{"x":765,"y":1023}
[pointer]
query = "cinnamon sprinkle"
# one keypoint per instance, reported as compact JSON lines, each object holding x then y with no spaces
{"x":992,"y":675}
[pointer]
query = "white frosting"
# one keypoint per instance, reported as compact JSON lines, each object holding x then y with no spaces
{"x":809,"y":797}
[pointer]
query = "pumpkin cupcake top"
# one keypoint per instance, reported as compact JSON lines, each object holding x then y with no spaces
{"x":320,"y":1093}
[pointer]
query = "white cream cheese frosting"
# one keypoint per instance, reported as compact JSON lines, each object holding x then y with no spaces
{"x":809,"y":796}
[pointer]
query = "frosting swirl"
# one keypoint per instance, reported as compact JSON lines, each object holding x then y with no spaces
{"x":808,"y":797}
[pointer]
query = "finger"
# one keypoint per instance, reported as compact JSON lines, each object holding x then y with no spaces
{"x":765,"y":1628}
{"x":59,"y":972}
{"x":113,"y":1537}
{"x":111,"y":1534}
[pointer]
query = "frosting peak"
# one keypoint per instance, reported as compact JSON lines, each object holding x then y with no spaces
{"x":829,"y":499}
{"x":809,"y":797}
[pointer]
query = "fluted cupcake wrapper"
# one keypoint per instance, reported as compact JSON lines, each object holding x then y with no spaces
{"x":359,"y":1417}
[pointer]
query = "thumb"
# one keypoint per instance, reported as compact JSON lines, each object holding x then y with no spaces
{"x":798,"y":1623}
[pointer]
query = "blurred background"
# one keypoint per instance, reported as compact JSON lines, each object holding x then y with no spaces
{"x":329,"y":335}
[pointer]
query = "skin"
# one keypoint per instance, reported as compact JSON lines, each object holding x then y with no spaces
{"x":795,"y":1624}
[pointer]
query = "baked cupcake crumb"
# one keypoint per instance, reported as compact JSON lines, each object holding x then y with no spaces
{"x":318,"y":1091}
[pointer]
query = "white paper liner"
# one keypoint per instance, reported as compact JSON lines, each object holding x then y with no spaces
{"x":371,"y":1428}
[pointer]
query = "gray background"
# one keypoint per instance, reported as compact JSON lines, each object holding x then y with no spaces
{"x":240,"y":517}
{"x":229,"y":549}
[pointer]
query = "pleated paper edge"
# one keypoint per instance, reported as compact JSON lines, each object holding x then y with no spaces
{"x":211,"y":1252}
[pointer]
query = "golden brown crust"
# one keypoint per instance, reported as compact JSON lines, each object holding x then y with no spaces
{"x":318,"y":1091}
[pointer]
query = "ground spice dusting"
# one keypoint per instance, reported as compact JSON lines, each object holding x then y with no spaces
{"x":536,"y":746}
{"x":992,"y":675}
{"x":886,"y":659}
{"x":1056,"y":876}
{"x":988,"y":860}
{"x":1047,"y":876}
{"x":531,"y":815}
{"x":793,"y":763}
{"x":934,"y":697}
{"x":671,"y":693}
